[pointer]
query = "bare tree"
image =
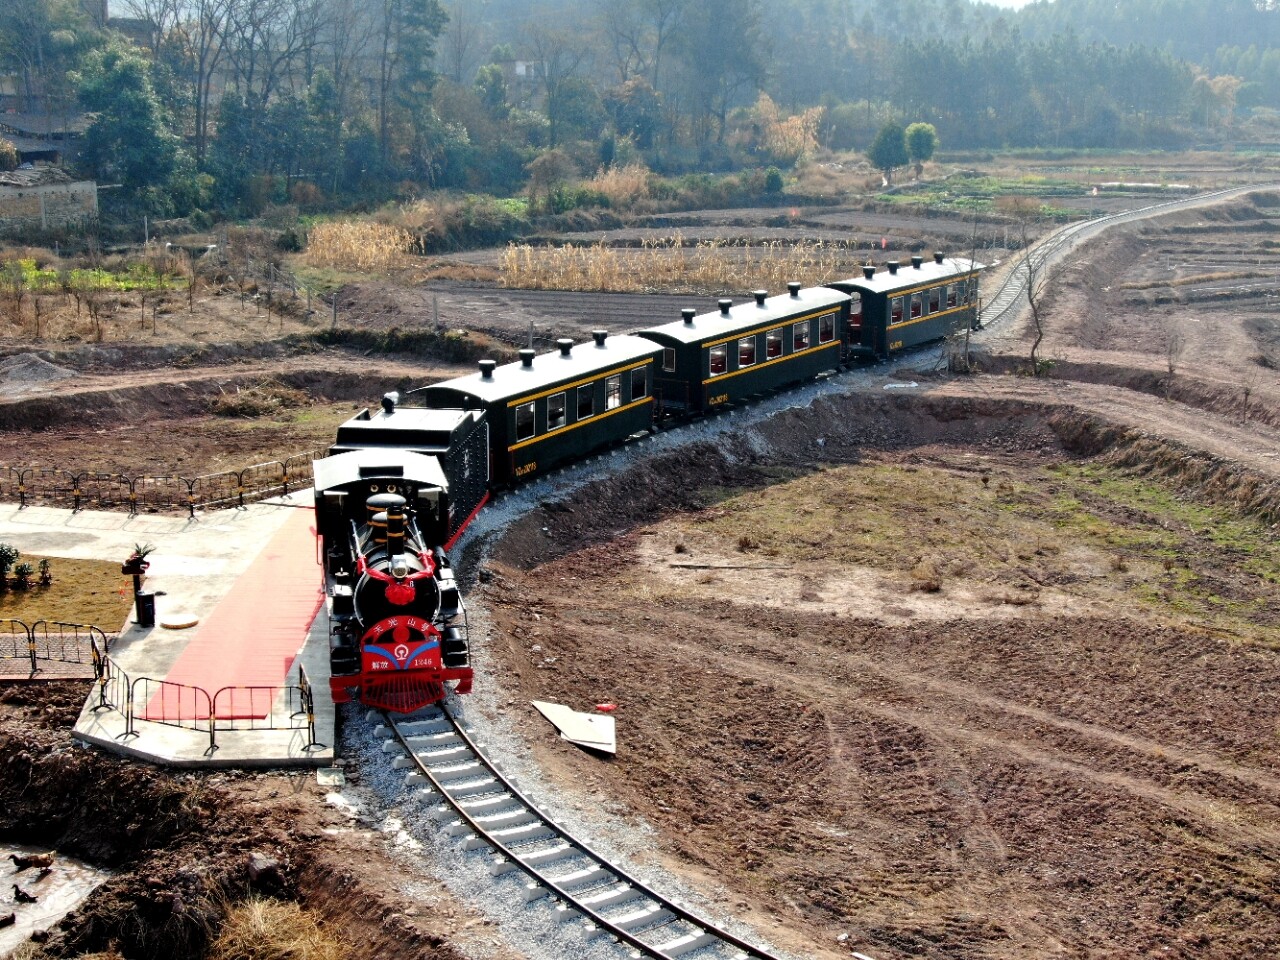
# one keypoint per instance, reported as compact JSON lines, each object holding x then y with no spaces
{"x":461,"y":38}
{"x":560,"y":52}
{"x":200,"y":36}
{"x":959,"y":359}
{"x":159,"y":16}
{"x":1035,"y":278}
{"x":1174,"y":343}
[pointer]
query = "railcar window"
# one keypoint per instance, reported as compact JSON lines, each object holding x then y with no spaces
{"x":746,"y":351}
{"x":800,"y":336}
{"x":638,"y":384}
{"x":935,"y":299}
{"x":586,"y":401}
{"x":895,"y":310}
{"x":669,"y":360}
{"x":524,"y":421}
{"x":719,"y":360}
{"x":613,"y":393}
{"x":826,"y":328}
{"x":915,"y":305}
{"x":773,"y":343}
{"x":951,"y":294}
{"x":555,"y":411}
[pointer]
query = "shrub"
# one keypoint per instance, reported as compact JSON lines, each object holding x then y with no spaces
{"x":773,"y":180}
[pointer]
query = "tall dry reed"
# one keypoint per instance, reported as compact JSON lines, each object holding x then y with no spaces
{"x":359,"y":245}
{"x":667,"y":265}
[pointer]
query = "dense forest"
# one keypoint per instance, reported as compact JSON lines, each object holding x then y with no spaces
{"x":229,"y":105}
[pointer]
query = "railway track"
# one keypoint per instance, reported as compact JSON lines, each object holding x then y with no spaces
{"x":1010,"y":298}
{"x":474,"y":800}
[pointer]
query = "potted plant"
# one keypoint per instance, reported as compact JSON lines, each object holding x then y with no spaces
{"x":22,"y":576}
{"x":8,"y":557}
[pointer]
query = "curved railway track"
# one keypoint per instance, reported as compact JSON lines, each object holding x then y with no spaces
{"x":476,"y":801}
{"x":1009,"y":299}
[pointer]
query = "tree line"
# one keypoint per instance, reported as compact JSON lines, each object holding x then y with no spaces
{"x":230,"y":105}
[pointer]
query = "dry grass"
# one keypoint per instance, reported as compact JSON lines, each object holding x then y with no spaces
{"x":357,"y":245}
{"x":271,"y":930}
{"x":707,"y":267}
{"x":267,"y":398}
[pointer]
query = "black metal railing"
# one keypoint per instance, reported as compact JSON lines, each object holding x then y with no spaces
{"x":146,"y":700}
{"x":83,"y":489}
{"x":51,"y":641}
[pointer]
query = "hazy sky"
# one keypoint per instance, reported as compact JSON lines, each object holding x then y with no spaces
{"x":1013,"y":4}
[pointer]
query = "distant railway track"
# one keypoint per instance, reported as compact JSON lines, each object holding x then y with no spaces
{"x":1009,"y":299}
{"x":476,"y":801}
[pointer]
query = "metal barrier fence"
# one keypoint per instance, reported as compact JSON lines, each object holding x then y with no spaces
{"x":117,"y":491}
{"x":52,"y":641}
{"x":145,"y":700}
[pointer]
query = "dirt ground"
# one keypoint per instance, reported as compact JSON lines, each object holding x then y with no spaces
{"x":1042,"y":724}
{"x":957,"y":696}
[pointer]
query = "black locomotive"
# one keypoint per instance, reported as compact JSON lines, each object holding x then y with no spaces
{"x":400,"y":485}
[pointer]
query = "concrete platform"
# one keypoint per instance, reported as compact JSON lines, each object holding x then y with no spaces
{"x":195,"y":564}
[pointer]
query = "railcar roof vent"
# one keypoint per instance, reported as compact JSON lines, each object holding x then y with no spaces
{"x":794,"y":287}
{"x":688,"y":313}
{"x":893,"y":266}
{"x":761,"y":296}
{"x":938,"y":256}
{"x":916,"y":261}
{"x":526,"y":358}
{"x":868,"y":272}
{"x":725,"y":304}
{"x":565,"y":345}
{"x":598,"y":336}
{"x":487,"y":368}
{"x":389,"y":401}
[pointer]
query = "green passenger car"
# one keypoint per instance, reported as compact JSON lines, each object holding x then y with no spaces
{"x":753,"y":348}
{"x":546,"y":410}
{"x":906,"y":306}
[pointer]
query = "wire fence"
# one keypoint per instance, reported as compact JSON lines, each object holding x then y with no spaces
{"x":84,"y":489}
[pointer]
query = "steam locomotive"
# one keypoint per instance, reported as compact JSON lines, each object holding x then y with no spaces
{"x":401,"y":484}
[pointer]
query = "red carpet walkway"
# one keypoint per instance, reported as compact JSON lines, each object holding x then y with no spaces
{"x":252,"y":636}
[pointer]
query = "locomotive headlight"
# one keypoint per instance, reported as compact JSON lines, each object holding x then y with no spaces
{"x":399,"y":566}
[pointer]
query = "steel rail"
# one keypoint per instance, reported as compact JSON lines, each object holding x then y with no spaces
{"x":609,"y":885}
{"x":1006,"y":298}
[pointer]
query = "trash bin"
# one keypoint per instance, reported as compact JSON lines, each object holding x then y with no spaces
{"x":146,"y":601}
